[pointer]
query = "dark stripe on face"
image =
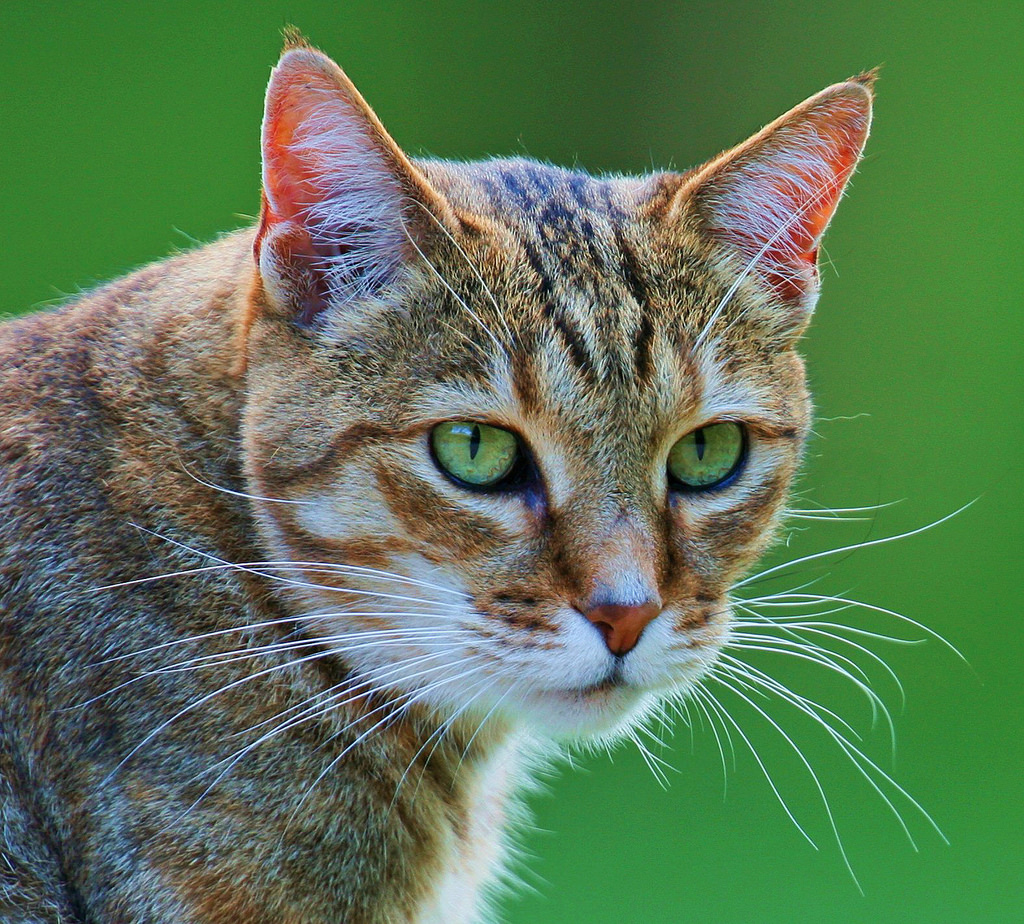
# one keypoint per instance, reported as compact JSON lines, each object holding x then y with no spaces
{"x":745,"y":524}
{"x":644,"y":338}
{"x":573,"y":340}
{"x":524,"y":381}
{"x":537,"y":265}
{"x":341,"y":446}
{"x":442,"y":531}
{"x":630,"y":269}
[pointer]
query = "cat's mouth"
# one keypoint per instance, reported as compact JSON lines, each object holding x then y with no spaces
{"x":611,"y":681}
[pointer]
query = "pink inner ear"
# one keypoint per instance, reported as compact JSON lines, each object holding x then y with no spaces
{"x":298,"y":134}
{"x":289,"y":181}
{"x":775,"y":198}
{"x":332,"y":225}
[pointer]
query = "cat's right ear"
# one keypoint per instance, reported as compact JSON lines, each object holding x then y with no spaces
{"x":345,"y":214}
{"x":769,"y":200}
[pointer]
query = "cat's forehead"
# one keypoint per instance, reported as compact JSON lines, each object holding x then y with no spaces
{"x":528,"y":194}
{"x":601,"y":312}
{"x":557,"y":246}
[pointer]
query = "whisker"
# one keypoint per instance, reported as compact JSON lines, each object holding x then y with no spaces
{"x":221,"y":658}
{"x":458,"y":298}
{"x":512,"y":686}
{"x":860,"y":760}
{"x":824,"y":598}
{"x":331,"y":700}
{"x":473,"y":268}
{"x":724,"y":716}
{"x":232,"y":630}
{"x":857,"y":545}
{"x":717,"y":676}
{"x":327,"y":704}
{"x":420,"y":694}
{"x":438,"y":734}
{"x":195,"y":704}
{"x":654,"y":763}
{"x":797,"y":629}
{"x":290,"y":582}
{"x":821,"y":656}
{"x":222,"y":490}
{"x":756,"y":681}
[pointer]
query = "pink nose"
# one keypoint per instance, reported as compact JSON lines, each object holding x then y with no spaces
{"x":622,"y":625}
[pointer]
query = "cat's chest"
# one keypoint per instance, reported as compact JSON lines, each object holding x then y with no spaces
{"x":473,"y":854}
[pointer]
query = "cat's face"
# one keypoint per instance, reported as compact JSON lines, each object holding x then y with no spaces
{"x":516,"y":429}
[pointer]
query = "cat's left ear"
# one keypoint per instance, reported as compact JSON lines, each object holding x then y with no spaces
{"x":770,"y":199}
{"x":346,"y":216}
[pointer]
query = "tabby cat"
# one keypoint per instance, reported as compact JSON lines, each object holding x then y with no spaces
{"x":312,"y":537}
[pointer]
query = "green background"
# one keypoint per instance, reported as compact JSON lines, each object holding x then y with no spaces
{"x":130,"y":130}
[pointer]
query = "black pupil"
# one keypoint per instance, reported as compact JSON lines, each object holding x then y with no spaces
{"x":699,"y":443}
{"x":474,"y":442}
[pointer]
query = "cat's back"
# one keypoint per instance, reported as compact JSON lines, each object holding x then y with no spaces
{"x":89,"y":392}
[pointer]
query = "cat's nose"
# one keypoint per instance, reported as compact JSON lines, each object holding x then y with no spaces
{"x":622,"y":624}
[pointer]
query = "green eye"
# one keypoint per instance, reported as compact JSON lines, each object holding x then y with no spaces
{"x":708,"y":456}
{"x":475,"y":453}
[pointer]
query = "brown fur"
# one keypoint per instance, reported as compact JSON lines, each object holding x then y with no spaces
{"x":211,"y":409}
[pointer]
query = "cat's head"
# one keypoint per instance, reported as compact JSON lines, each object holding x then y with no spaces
{"x":513,"y":431}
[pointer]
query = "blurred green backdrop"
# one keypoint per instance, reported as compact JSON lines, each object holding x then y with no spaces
{"x":131,"y":130}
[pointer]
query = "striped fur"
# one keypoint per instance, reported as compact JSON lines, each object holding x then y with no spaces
{"x":260,"y":659}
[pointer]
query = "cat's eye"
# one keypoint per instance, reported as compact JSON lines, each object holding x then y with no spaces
{"x":708,"y":456}
{"x":474,"y":453}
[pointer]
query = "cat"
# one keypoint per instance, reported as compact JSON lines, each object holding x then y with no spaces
{"x":313,"y":537}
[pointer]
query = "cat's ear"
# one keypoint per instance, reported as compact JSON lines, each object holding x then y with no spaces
{"x":771,"y":198}
{"x":345,"y":214}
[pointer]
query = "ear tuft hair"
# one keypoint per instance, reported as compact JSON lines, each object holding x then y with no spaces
{"x":868,"y":78}
{"x":293,"y":38}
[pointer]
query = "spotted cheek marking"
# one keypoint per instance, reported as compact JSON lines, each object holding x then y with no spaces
{"x":697,"y":614}
{"x":520,"y":618}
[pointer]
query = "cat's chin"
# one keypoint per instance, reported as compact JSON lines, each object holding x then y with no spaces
{"x":598,"y":713}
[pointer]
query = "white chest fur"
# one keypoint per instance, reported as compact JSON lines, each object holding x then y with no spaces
{"x":473,"y":859}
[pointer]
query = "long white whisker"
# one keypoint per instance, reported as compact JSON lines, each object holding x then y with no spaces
{"x":243,"y":494}
{"x":756,"y":681}
{"x":290,"y":582}
{"x":316,"y":567}
{"x":719,"y":678}
{"x":352,"y":688}
{"x":289,"y":620}
{"x":418,"y":696}
{"x":803,"y":629}
{"x":458,"y":298}
{"x":195,"y":704}
{"x":721,"y":749}
{"x":857,"y":757}
{"x":473,"y":268}
{"x":824,"y":598}
{"x":857,"y":545}
{"x":218,"y":659}
{"x":819,"y":656}
{"x":724,"y":716}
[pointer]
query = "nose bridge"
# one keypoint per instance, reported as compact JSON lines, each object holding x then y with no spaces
{"x":623,"y":562}
{"x":614,"y":551}
{"x":623,"y":595}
